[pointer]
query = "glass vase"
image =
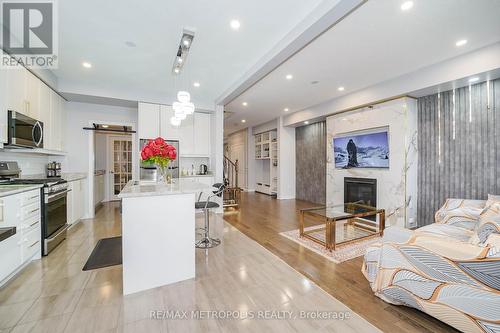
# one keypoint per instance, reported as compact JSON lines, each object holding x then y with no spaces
{"x":164,"y":174}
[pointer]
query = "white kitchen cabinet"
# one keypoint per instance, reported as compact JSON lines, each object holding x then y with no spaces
{"x":186,"y":136}
{"x":33,"y":95}
{"x":201,"y":134}
{"x":167,"y":130}
{"x":10,"y":255}
{"x":55,"y":123}
{"x":149,"y":120}
{"x":193,"y":133}
{"x":23,"y":211}
{"x":3,"y":106}
{"x":44,"y":114}
{"x":76,"y":201}
{"x":16,"y":91}
{"x":98,"y":189}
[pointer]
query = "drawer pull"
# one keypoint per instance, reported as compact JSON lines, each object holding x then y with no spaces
{"x":34,"y":210}
{"x":32,"y":224}
{"x":34,"y":243}
{"x":33,"y":197}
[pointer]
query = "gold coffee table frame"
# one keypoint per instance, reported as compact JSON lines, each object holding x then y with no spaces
{"x":355,"y":213}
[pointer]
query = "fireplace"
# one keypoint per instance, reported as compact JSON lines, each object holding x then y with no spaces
{"x":362,"y":190}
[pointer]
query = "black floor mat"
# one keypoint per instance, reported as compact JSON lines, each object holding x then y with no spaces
{"x":107,"y":252}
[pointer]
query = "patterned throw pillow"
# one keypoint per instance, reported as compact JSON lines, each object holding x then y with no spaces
{"x":460,"y":213}
{"x":492,"y":199}
{"x":489,"y":223}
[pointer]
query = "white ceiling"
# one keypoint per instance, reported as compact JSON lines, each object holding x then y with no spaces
{"x":375,"y":43}
{"x":96,"y":31}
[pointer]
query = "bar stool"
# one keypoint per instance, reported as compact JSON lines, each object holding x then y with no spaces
{"x":207,"y":242}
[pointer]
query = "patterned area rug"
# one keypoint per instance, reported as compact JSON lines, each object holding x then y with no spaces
{"x":341,"y":254}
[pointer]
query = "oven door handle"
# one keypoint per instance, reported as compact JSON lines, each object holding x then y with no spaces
{"x":56,"y":196}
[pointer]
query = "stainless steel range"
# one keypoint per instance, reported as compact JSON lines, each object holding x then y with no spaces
{"x":54,"y":203}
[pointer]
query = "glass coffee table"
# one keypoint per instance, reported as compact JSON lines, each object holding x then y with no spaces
{"x":342,"y":224}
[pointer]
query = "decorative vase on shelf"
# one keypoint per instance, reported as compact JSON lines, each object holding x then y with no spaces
{"x":160,"y":153}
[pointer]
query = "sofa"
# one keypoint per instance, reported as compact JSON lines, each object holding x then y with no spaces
{"x":449,"y":269}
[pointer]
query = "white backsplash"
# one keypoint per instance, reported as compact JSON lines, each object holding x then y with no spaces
{"x":30,"y":164}
{"x":187,"y":163}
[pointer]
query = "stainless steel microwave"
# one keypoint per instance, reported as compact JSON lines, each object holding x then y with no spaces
{"x":24,"y":131}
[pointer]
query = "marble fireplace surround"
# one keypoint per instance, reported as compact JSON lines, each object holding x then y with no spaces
{"x":397,"y":185}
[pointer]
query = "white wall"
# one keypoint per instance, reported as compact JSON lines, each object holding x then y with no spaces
{"x":265,"y":127}
{"x":80,"y":142}
{"x":286,"y":161}
{"x":437,"y":75}
{"x":80,"y":115}
{"x":397,"y":185}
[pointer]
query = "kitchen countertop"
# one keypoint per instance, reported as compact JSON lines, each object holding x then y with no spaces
{"x":70,"y":177}
{"x":6,"y":190}
{"x":146,"y":189}
{"x":189,"y":176}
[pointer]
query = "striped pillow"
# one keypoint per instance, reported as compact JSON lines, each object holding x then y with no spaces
{"x":489,"y":223}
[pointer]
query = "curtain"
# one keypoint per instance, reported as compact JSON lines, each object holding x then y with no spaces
{"x":458,"y":143}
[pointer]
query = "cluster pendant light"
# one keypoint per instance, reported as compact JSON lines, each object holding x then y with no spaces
{"x":183,"y":106}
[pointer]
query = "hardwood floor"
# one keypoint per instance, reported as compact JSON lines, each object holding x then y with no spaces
{"x":262,"y":218}
{"x":237,"y":277}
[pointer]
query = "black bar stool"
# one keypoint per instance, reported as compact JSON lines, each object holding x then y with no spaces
{"x":207,"y":242}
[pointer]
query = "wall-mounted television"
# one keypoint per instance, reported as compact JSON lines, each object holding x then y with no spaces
{"x":366,"y":149}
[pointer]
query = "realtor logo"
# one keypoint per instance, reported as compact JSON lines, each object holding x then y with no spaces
{"x":29,"y":33}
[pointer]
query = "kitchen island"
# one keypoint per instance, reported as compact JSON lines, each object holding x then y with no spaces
{"x":158,"y":233}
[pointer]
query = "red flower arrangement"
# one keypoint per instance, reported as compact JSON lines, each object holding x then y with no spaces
{"x":159,"y":152}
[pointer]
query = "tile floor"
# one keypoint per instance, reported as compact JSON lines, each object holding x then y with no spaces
{"x":237,"y":279}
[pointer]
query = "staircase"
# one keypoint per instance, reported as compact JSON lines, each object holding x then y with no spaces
{"x":232,"y":192}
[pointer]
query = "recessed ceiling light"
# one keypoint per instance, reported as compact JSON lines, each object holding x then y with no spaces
{"x":461,"y":42}
{"x":177,"y":70}
{"x":340,"y":88}
{"x":407,"y":5}
{"x":87,"y":64}
{"x":289,"y":77}
{"x":235,"y":24}
{"x":243,"y":121}
{"x":244,"y":103}
{"x":105,"y":126}
{"x":179,"y":60}
{"x":473,"y":79}
{"x":196,"y":84}
{"x":286,"y":109}
{"x":306,"y":122}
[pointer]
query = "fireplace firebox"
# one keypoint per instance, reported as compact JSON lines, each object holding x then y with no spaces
{"x":360,"y":190}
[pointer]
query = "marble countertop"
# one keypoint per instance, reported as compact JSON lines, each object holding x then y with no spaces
{"x":70,"y":177}
{"x":6,"y":190}
{"x":146,"y":189}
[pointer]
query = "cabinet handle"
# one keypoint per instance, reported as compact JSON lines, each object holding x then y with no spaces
{"x":34,"y":244}
{"x":33,"y":197}
{"x":32,"y":224}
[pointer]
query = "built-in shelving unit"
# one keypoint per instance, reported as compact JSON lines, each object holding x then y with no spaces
{"x":266,"y":162}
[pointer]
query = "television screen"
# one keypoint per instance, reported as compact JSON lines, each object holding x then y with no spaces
{"x":362,"y":150}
